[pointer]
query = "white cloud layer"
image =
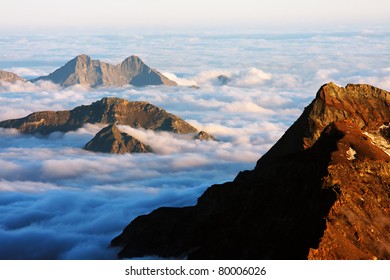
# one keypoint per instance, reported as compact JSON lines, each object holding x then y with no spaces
{"x":26,"y":72}
{"x":61,"y":202}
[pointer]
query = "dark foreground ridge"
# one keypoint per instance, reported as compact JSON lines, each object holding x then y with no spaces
{"x":321,"y":192}
{"x":110,"y":110}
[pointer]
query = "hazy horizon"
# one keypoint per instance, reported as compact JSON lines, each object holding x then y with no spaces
{"x":201,"y":15}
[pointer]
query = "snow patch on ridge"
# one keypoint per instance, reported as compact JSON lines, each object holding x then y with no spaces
{"x":351,"y":154}
{"x":378,"y":140}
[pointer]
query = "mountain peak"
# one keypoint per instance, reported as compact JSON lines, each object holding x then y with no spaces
{"x":9,"y":77}
{"x":111,"y":140}
{"x":113,"y":100}
{"x":366,"y":105}
{"x":82,"y":58}
{"x":88,"y":72}
{"x":133,"y":58}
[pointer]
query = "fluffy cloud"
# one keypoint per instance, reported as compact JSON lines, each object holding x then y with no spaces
{"x":248,"y":107}
{"x":250,"y":78}
{"x":179,"y":81}
{"x":326,"y":74}
{"x":26,"y":186}
{"x":60,"y":202}
{"x":27,"y":72}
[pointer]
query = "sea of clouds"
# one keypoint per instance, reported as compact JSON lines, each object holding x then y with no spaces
{"x":61,"y":202}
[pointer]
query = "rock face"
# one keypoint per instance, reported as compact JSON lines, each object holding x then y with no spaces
{"x":224,"y":80}
{"x":321,"y":192}
{"x":88,"y":72}
{"x":10,"y":77}
{"x":111,"y":140}
{"x":106,"y":111}
{"x":202,"y":135}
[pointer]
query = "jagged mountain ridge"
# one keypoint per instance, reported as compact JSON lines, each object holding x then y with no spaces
{"x":109,"y":110}
{"x":111,"y":140}
{"x":10,"y":77}
{"x":334,"y":103}
{"x":321,"y":192}
{"x":86,"y":71}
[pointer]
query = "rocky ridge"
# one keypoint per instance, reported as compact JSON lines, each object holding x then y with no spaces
{"x":10,"y":77}
{"x":204,"y":136}
{"x":109,"y":110}
{"x":321,"y":192}
{"x":86,"y":71}
{"x":111,"y":140}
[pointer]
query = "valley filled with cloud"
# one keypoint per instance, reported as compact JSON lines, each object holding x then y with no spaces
{"x":59,"y":201}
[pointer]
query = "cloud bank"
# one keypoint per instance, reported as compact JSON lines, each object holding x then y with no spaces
{"x":61,"y":202}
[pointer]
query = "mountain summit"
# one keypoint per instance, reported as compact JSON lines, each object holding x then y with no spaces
{"x":111,"y":140}
{"x":9,"y":77}
{"x":321,"y":192}
{"x":86,"y":71}
{"x":109,"y":110}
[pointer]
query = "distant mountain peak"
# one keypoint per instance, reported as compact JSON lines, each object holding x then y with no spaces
{"x":82,"y":57}
{"x":10,"y":77}
{"x":133,"y":58}
{"x":86,"y":71}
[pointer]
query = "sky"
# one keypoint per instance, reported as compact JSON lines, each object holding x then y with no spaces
{"x":98,"y":15}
